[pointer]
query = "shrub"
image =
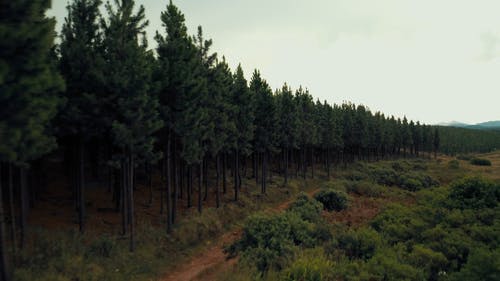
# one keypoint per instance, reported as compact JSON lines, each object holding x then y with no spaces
{"x":454,"y":164}
{"x":307,"y":208}
{"x":482,"y":265}
{"x":360,"y":244}
{"x":265,"y":242}
{"x":365,"y":188}
{"x":480,"y":162}
{"x":474,"y":193}
{"x":332,"y":199}
{"x":312,"y":266}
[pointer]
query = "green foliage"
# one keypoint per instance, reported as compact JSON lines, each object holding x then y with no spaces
{"x":474,"y":193}
{"x":482,"y":265}
{"x":360,"y":244}
{"x":29,"y":82}
{"x":332,"y":200}
{"x":364,"y":188}
{"x":453,"y":164}
{"x":480,"y":162}
{"x":269,"y":241}
{"x":311,"y":266}
{"x":307,"y":208}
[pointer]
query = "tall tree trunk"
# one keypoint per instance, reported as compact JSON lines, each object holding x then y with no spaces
{"x":149,"y":178}
{"x":12,"y":210}
{"x":200,"y":183}
{"x":236,"y":175}
{"x":4,"y":271}
{"x":217,"y":181}
{"x":167,"y":185}
{"x":81,"y":186}
{"x":190,"y":186}
{"x":131,"y":199}
{"x":264,"y":167}
{"x":328,"y":163}
{"x":205,"y":179}
{"x":285,"y":164}
{"x":224,"y":179}
{"x":176,"y":178}
{"x":255,"y":159}
{"x":24,"y":205}
{"x":312,"y":162}
{"x":124,"y":197}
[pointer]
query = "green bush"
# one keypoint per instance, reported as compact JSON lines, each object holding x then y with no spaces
{"x":364,"y":188}
{"x":453,"y":164}
{"x":265,"y":242}
{"x":480,"y":162}
{"x":307,"y":208}
{"x":332,"y":199}
{"x":360,"y":244}
{"x":313,"y":266}
{"x":474,"y":193}
{"x":482,"y":265}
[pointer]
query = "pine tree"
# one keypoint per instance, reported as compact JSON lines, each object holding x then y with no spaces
{"x":436,"y":142}
{"x":288,"y":125}
{"x":265,"y":122}
{"x":29,"y":85}
{"x":244,"y":117}
{"x":220,"y":109}
{"x":136,"y":116}
{"x":81,"y":65}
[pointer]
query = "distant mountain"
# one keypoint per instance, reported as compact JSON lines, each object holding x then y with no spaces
{"x":490,"y":125}
{"x":454,"y":124}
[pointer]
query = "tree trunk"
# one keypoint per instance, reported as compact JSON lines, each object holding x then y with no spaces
{"x":149,"y":177}
{"x":224,"y":179}
{"x":264,"y":167}
{"x":205,"y":179}
{"x":4,"y":271}
{"x":131,"y":200}
{"x":312,"y":162}
{"x":327,"y":163}
{"x":24,"y":205}
{"x":175,"y":170}
{"x":81,"y":186}
{"x":123,"y":197}
{"x":167,"y":185}
{"x":285,"y":160}
{"x":236,"y":175}
{"x":217,"y":180}
{"x":12,"y":210}
{"x":190,"y":186}
{"x":200,"y":183}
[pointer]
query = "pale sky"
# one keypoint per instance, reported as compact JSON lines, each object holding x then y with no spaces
{"x":431,"y":60}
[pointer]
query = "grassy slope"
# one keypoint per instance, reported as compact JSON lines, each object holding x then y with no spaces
{"x":354,"y":221}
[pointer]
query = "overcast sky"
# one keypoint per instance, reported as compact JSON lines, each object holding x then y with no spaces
{"x":431,"y":60}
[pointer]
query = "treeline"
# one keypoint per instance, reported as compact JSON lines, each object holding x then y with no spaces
{"x":120,"y":110}
{"x":461,"y":140}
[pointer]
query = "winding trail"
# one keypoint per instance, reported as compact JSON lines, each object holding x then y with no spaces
{"x":209,"y":263}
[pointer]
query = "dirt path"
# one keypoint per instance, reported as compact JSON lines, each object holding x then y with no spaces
{"x":212,"y":261}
